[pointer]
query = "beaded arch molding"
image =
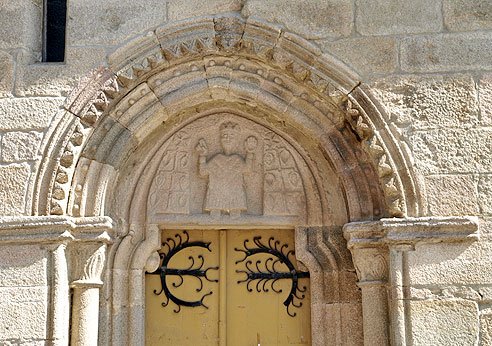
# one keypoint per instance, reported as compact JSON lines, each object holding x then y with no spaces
{"x":220,"y":58}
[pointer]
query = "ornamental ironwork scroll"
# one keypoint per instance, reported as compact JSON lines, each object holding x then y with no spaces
{"x":169,"y":249}
{"x":266,"y":273}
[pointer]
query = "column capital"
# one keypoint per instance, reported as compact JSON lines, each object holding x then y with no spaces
{"x":369,"y":252}
{"x":371,"y":265}
{"x":88,"y":262}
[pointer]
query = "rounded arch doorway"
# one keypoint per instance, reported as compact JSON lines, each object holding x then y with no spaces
{"x":310,"y":152}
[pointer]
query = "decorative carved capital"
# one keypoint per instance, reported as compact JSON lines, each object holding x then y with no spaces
{"x":88,"y":263}
{"x":371,"y":264}
{"x":370,"y":253}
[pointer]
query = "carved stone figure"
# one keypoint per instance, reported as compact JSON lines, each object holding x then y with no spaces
{"x":227,"y":168}
{"x":225,"y":171}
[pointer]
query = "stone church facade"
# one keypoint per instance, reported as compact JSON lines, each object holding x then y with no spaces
{"x":362,"y":127}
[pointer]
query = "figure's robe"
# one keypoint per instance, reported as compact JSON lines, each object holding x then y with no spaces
{"x":226,"y":191}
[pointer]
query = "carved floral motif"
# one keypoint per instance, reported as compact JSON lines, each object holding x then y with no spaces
{"x":284,"y":194}
{"x":171,"y":192}
{"x":88,"y":263}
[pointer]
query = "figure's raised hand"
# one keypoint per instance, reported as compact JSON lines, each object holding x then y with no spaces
{"x":251,"y":143}
{"x":202,"y":147}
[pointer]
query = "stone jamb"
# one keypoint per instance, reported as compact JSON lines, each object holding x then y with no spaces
{"x":323,"y":251}
{"x":378,"y":249}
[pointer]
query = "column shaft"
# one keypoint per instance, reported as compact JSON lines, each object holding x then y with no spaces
{"x":85,"y":316}
{"x":375,"y":312}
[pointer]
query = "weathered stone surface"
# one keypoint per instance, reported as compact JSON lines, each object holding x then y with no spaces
{"x":311,"y":19}
{"x":376,"y":17}
{"x":449,"y":322}
{"x":446,"y":52}
{"x":452,"y":150}
{"x":485,"y":293}
{"x":33,"y":342}
{"x":28,"y":113}
{"x":485,"y":98}
{"x":23,"y":342}
{"x":112,"y":22}
{"x":178,"y":9}
{"x":57,"y":79}
{"x":452,"y":195}
{"x":23,"y":312}
{"x":485,"y":329}
{"x":367,"y":56}
{"x":449,"y":292}
{"x":13,"y":184}
{"x":352,"y":322}
{"x":429,"y":101}
{"x":6,"y":74}
{"x":451,"y":263}
{"x":21,"y":24}
{"x":20,"y":146}
{"x":344,"y":319}
{"x":466,"y":15}
{"x":485,"y":193}
{"x":485,"y":226}
{"x":23,"y":265}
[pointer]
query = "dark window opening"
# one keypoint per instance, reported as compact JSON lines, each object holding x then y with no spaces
{"x":54,"y":27}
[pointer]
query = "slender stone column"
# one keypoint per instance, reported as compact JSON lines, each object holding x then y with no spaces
{"x":372,"y":268}
{"x":88,"y":264}
{"x":382,"y":244}
{"x":59,"y":296}
{"x":370,"y":258}
{"x":397,"y":283}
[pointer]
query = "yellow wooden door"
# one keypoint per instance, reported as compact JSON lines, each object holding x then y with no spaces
{"x":228,"y":287}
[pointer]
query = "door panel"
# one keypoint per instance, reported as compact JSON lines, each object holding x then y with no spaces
{"x":244,"y":309}
{"x":260,"y":316}
{"x":191,"y":326}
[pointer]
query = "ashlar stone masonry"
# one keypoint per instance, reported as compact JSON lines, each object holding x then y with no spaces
{"x":362,"y":126}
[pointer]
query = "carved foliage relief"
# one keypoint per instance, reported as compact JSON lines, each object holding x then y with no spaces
{"x":227,"y":168}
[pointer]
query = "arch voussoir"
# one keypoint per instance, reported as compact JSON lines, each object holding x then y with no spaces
{"x":215,"y":60}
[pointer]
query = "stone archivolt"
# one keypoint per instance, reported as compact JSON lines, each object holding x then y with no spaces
{"x":139,"y":138}
{"x":160,"y":79}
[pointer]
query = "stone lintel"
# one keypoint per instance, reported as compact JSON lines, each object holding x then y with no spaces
{"x":394,"y":231}
{"x":49,"y":229}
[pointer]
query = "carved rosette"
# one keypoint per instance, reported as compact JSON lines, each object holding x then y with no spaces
{"x":88,"y":263}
